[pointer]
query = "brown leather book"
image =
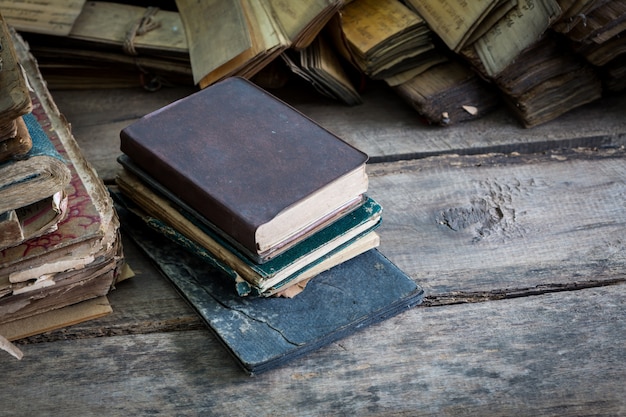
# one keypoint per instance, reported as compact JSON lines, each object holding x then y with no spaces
{"x":257,"y":170}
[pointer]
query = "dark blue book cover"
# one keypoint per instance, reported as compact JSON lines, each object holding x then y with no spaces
{"x":264,"y":333}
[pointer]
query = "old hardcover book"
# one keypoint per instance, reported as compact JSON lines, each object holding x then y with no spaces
{"x":262,"y":174}
{"x":350,"y":235}
{"x":263,"y":333}
{"x":83,"y":257}
{"x":40,"y":173}
{"x":244,"y":36}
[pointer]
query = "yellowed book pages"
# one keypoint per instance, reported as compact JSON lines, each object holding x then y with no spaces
{"x":302,"y":20}
{"x":229,"y":38}
{"x":50,"y":17}
{"x":217,"y":32}
{"x":368,"y":23}
{"x":453,"y":20}
{"x":490,"y":20}
{"x":110,"y":23}
{"x":56,"y":319}
{"x":520,"y":28}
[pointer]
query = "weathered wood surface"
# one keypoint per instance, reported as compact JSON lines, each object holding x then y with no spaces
{"x":551,"y":355}
{"x":521,"y":256}
{"x":384,"y":126}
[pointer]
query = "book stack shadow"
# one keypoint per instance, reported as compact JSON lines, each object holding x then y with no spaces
{"x":60,"y":252}
{"x":261,"y":219}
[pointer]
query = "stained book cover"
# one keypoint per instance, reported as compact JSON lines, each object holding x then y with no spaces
{"x":82,"y":258}
{"x":265,"y":333}
{"x":241,"y":157}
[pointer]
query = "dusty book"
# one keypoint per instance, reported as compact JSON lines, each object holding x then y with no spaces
{"x":263,"y":333}
{"x":347,"y":237}
{"x":38,"y":174}
{"x":15,"y":98}
{"x":82,"y":258}
{"x":238,"y":38}
{"x":448,"y":93}
{"x":260,"y":172}
{"x":384,"y":38}
{"x":33,"y":220}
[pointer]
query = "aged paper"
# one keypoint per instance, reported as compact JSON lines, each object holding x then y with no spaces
{"x":453,"y":20}
{"x":518,"y":30}
{"x":50,"y":17}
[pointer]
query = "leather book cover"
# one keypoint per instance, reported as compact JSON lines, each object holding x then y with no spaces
{"x":237,"y":155}
{"x":264,"y":333}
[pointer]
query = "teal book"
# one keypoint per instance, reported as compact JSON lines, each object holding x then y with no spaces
{"x":347,"y":237}
{"x":263,"y":333}
{"x":37,"y":175}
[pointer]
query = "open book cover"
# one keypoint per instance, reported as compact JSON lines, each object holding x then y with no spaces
{"x":265,"y":333}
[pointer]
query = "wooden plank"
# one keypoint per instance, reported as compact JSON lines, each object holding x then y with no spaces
{"x":97,"y":116}
{"x":383,"y":126}
{"x":503,"y":225}
{"x":552,"y":355}
{"x":464,"y":228}
{"x":388,"y":129}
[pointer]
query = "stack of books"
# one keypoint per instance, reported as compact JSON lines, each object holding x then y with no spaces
{"x":59,"y":243}
{"x":261,"y":189}
{"x":261,"y":219}
{"x":597,"y":31}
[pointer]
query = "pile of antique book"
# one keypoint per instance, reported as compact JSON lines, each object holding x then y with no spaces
{"x":261,"y":219}
{"x":263,"y":191}
{"x":452,"y":60}
{"x":60,"y":252}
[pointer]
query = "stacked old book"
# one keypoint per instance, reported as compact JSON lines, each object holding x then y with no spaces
{"x":261,"y":219}
{"x":59,"y":242}
{"x":261,"y":190}
{"x":597,"y":31}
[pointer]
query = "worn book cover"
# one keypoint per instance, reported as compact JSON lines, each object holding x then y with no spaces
{"x":14,"y":97}
{"x":239,"y":38}
{"x":33,"y":220}
{"x":349,"y":235}
{"x":83,"y":257}
{"x":265,"y":333}
{"x":38,"y":174}
{"x":257,"y":169}
{"x":18,"y":142}
{"x":448,"y":93}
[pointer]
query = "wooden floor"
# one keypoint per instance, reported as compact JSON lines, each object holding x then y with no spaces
{"x":518,"y":238}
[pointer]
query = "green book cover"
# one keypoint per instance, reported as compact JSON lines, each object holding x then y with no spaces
{"x":268,"y":277}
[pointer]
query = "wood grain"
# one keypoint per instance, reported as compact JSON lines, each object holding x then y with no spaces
{"x":383,"y":126}
{"x":497,"y":223}
{"x":551,"y":355}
